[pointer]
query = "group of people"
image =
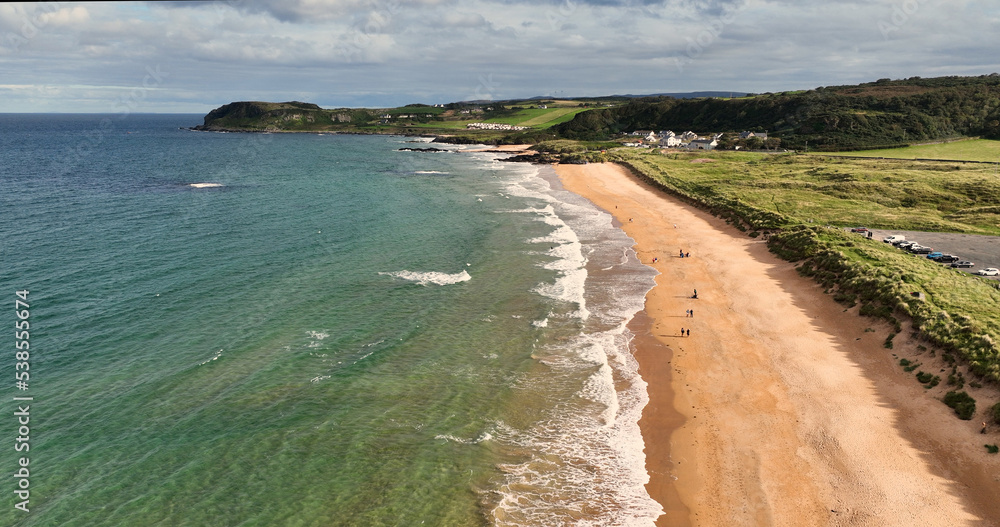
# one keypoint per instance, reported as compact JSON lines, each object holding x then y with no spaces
{"x":685,"y":254}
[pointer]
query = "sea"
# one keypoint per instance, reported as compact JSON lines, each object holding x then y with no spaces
{"x":233,"y":329}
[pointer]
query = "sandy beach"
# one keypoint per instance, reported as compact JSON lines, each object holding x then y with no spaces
{"x":781,"y":407}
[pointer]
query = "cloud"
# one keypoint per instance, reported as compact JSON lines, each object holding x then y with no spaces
{"x":376,"y":52}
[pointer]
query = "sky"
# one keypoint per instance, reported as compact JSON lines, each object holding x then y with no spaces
{"x":191,"y":57}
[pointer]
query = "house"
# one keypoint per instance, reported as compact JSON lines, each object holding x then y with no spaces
{"x":642,"y":132}
{"x":689,"y":136}
{"x":652,"y":138}
{"x":748,"y":135}
{"x":703,"y":144}
{"x":671,"y":141}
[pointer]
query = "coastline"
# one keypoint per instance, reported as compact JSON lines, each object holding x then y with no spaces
{"x":791,"y":411}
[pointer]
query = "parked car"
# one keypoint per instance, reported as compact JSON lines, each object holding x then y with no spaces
{"x":920,"y":249}
{"x":859,"y":229}
{"x":895,"y":238}
{"x":935,"y":254}
{"x":905,"y":244}
{"x":989,"y":271}
{"x":947,"y":258}
{"x":963,"y":263}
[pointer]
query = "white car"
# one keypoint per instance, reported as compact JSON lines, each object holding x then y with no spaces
{"x":989,"y":271}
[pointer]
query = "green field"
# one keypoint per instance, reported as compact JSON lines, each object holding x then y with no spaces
{"x":963,"y":150}
{"x":906,"y":195}
{"x":533,"y":117}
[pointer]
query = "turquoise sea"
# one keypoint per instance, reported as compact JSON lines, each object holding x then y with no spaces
{"x":311,"y":330}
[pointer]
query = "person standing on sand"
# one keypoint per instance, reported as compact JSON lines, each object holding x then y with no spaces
{"x":692,"y":312}
{"x":689,"y":333}
{"x":682,"y":332}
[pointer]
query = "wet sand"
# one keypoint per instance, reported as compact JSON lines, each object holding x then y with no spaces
{"x":781,"y":407}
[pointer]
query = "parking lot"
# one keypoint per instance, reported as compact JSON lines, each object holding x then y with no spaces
{"x":982,"y":250}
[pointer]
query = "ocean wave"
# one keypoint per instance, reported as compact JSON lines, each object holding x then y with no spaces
{"x":430,"y":172}
{"x":485,"y":436}
{"x":430,"y":277}
{"x":205,"y":185}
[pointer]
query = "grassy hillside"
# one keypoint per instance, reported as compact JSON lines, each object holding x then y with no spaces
{"x":965,"y":150}
{"x":906,"y":195}
{"x":884,"y":113}
{"x":450,"y":119}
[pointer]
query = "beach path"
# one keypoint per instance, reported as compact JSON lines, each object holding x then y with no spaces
{"x":793,"y":413}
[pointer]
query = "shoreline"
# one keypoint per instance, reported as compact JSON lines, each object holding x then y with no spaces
{"x":790,"y":410}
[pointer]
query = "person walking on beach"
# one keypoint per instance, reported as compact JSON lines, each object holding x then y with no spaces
{"x":689,"y":333}
{"x":682,"y":253}
{"x":691,"y":312}
{"x":682,"y":332}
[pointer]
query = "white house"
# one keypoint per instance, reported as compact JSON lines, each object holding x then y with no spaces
{"x":703,"y":144}
{"x":671,"y":141}
{"x":689,"y":136}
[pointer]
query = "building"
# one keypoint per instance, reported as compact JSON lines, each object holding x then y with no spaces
{"x":703,"y":144}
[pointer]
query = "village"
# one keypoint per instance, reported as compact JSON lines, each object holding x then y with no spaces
{"x":689,"y":140}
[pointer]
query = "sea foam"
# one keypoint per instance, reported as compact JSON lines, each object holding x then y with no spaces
{"x":585,"y":463}
{"x":430,"y":277}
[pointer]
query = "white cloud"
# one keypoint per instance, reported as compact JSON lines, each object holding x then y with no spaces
{"x":375,"y":52}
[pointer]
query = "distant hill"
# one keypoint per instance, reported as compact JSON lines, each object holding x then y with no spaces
{"x":876,"y":114}
{"x":679,"y":95}
{"x":257,"y":116}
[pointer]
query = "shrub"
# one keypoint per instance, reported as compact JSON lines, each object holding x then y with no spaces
{"x":996,"y":413}
{"x":992,"y":449}
{"x":924,"y":378}
{"x":963,"y":404}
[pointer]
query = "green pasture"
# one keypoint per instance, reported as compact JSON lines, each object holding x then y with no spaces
{"x":906,"y":195}
{"x":963,"y":150}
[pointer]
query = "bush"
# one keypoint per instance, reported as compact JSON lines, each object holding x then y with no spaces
{"x":996,"y":413}
{"x":963,"y":404}
{"x":992,"y":449}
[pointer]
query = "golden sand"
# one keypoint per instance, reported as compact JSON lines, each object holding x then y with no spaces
{"x":781,"y":407}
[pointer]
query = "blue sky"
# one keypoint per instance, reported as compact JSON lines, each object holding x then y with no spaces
{"x":195,"y":56}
